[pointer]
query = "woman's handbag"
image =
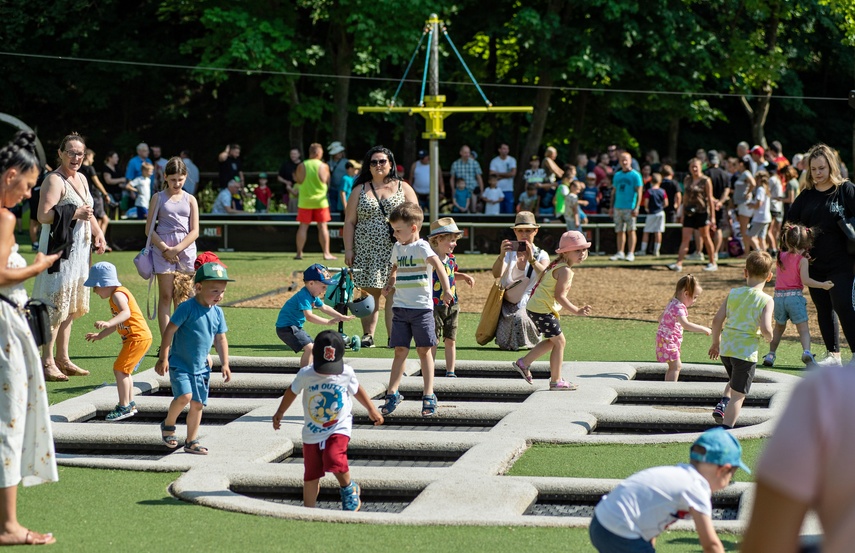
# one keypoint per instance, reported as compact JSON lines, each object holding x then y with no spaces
{"x":385,"y":215}
{"x":144,"y":261}
{"x":38,"y":318}
{"x":490,"y":314}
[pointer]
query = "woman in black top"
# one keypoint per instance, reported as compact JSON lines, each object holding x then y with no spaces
{"x":819,"y":206}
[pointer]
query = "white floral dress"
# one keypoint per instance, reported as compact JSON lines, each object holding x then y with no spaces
{"x":64,"y":288}
{"x":26,"y":441}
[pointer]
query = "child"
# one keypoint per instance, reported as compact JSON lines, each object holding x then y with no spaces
{"x":196,"y":324}
{"x":573,"y":215}
{"x":547,"y":298}
{"x":563,"y":190}
{"x":745,"y":312}
{"x":644,"y":505}
{"x":790,"y":304}
{"x":462,"y":197}
{"x":262,"y":194}
{"x":413,"y":312}
{"x":655,"y":202}
{"x":352,"y":169}
{"x":762,"y":215}
{"x":535,"y":173}
{"x":130,"y":323}
{"x":669,"y":336}
{"x":528,"y":199}
{"x":327,"y":384}
{"x":493,"y":196}
{"x":298,"y":309}
{"x":443,"y":239}
{"x":140,"y":190}
{"x":590,"y":195}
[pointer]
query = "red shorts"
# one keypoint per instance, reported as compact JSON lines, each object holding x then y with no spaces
{"x":321,"y":215}
{"x":332,"y":458}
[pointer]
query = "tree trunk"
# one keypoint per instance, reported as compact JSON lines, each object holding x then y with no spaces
{"x":673,"y":138}
{"x":410,"y":139}
{"x":341,"y":49}
{"x":295,"y":121}
{"x":581,"y":105}
{"x":538,"y":125}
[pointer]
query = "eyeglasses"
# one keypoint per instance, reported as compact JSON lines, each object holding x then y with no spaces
{"x":72,"y":153}
{"x":376,"y":162}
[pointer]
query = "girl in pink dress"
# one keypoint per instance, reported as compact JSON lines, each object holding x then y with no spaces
{"x":669,"y":336}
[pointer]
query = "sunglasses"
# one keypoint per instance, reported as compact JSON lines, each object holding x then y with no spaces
{"x":376,"y":162}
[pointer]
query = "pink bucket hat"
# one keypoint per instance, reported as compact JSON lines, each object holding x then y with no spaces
{"x":572,"y":240}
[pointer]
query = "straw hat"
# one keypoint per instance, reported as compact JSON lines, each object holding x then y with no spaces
{"x":525,"y":219}
{"x":445,"y":225}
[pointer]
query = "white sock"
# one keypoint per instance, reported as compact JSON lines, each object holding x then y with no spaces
{"x":656,"y":247}
{"x":643,"y":247}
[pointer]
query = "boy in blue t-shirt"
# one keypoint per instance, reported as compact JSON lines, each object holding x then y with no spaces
{"x":194,"y":326}
{"x":412,"y":315}
{"x":298,"y":309}
{"x":346,"y":186}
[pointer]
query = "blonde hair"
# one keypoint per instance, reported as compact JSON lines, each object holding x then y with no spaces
{"x":688,"y":284}
{"x":823,"y":151}
{"x":759,"y":264}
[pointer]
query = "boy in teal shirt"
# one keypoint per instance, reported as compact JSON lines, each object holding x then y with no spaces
{"x":743,"y":317}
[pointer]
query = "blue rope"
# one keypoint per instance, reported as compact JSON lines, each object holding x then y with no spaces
{"x":409,"y":65}
{"x":466,"y":67}
{"x":424,"y":74}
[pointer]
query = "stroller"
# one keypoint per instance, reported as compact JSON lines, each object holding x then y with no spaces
{"x":342,"y":295}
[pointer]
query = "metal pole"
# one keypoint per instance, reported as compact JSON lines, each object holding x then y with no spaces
{"x":434,"y":143}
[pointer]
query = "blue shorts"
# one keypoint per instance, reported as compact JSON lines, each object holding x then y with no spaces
{"x":184,"y":383}
{"x":412,"y":324}
{"x":790,"y":305}
{"x":606,"y":541}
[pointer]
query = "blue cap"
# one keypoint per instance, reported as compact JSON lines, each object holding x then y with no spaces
{"x":102,"y":274}
{"x":721,"y":449}
{"x":318,"y":272}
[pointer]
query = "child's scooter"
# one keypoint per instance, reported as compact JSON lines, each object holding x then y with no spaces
{"x":342,"y":296}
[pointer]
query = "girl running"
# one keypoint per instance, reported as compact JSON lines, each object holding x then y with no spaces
{"x":669,"y":336}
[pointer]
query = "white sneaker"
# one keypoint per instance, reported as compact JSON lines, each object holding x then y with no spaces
{"x":697,"y":256}
{"x":630,"y":257}
{"x":830,"y":361}
{"x":641,"y":253}
{"x":619,"y":256}
{"x":711,"y":267}
{"x":675,"y":267}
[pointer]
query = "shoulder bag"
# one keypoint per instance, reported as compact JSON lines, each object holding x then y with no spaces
{"x":38,"y":318}
{"x":847,"y":222}
{"x":492,"y":310}
{"x":144,"y":261}
{"x":383,"y":211}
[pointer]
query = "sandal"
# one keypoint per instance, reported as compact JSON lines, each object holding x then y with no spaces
{"x":562,"y":385}
{"x":53,"y":374}
{"x":169,"y":439}
{"x":194,"y":448}
{"x":70,"y":369}
{"x":429,"y":405}
{"x":523,"y":370}
{"x":450,"y":374}
{"x":33,"y":538}
{"x":392,"y":401}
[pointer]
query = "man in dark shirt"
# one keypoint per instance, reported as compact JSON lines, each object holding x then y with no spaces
{"x":721,"y":194}
{"x":230,"y":166}
{"x":671,"y":188}
{"x":285,"y":177}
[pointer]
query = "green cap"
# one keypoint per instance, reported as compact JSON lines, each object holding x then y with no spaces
{"x":212,"y":271}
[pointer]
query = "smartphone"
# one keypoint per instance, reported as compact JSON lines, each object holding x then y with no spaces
{"x":518,"y":245}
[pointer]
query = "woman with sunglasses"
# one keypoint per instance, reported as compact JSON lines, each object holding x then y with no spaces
{"x":367,"y":240}
{"x":66,"y":191}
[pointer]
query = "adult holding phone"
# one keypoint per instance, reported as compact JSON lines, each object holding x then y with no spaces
{"x":26,"y":447}
{"x":519,"y":264}
{"x":65,"y":197}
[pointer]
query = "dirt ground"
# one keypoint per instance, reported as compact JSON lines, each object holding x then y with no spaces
{"x":636,"y":293}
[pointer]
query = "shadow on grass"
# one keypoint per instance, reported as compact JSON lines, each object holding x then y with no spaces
{"x":164,"y":501}
{"x":730,"y":543}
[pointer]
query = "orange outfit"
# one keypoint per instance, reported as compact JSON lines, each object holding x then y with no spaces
{"x":136,"y":336}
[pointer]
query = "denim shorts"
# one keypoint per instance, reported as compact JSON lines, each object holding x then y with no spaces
{"x":412,"y":324}
{"x":607,"y":542}
{"x":184,"y":383}
{"x":790,"y":307}
{"x":294,"y":337}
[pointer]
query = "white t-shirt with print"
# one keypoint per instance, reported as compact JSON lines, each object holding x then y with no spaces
{"x":493,"y":194}
{"x":327,"y":403}
{"x":413,"y":282}
{"x":648,"y":502}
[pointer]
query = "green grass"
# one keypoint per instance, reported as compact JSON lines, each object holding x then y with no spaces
{"x":100,"y":510}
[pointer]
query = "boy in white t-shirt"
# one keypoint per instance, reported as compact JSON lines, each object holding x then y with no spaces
{"x":327,"y":385}
{"x":492,"y":196}
{"x":413,"y":264}
{"x":648,"y":502}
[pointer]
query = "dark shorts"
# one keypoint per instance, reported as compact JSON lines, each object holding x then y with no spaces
{"x":184,"y":383}
{"x":98,"y":206}
{"x":740,"y":372}
{"x":605,"y":541}
{"x":332,"y":458}
{"x":696,"y":220}
{"x":546,"y":323}
{"x":445,"y":317}
{"x":294,"y":337}
{"x":412,"y":324}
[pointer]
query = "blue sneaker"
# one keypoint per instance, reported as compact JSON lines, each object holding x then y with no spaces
{"x":718,"y":412}
{"x":350,"y":500}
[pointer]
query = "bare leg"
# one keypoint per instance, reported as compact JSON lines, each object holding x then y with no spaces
{"x":125,"y":387}
{"x":542,"y":348}
{"x":311,"y":489}
{"x":11,"y":532}
{"x":398,"y":369}
{"x":733,"y":409}
{"x":324,"y":239}
{"x":673,"y":372}
{"x":804,"y":335}
{"x":175,"y":407}
{"x":778,"y":332}
{"x":556,"y":356}
{"x":302,"y":233}
{"x":684,"y":245}
{"x":194,"y":419}
{"x":708,"y":244}
{"x":427,"y":368}
{"x":166,"y":287}
{"x":743,"y":230}
{"x":63,"y":360}
{"x":630,"y":246}
{"x":621,"y":241}
{"x":307,"y":355}
{"x":450,"y":355}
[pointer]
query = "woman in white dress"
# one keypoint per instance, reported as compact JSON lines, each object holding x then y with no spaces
{"x":26,"y":443}
{"x":64,"y":287}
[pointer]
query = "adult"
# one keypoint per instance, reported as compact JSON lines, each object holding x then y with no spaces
{"x":420,"y":176}
{"x":313,"y":206}
{"x":225,"y":203}
{"x":338,"y":170}
{"x":519,"y":271}
{"x":504,"y":166}
{"x":367,"y":242}
{"x":776,"y":208}
{"x":698,"y":212}
{"x":758,"y":158}
{"x":743,"y":188}
{"x":742,"y":150}
{"x":26,"y":443}
{"x":285,"y":177}
{"x":65,"y":197}
{"x":191,"y":183}
{"x":134,"y":168}
{"x":159,"y":163}
{"x":546,"y":191}
{"x":603,"y":170}
{"x":230,"y":165}
{"x":174,"y":239}
{"x":113,"y":178}
{"x":825,"y":198}
{"x":672,"y":190}
{"x":100,"y":197}
{"x":721,"y":195}
{"x":626,"y":198}
{"x":778,"y":155}
{"x":469,"y":170}
{"x":791,"y":188}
